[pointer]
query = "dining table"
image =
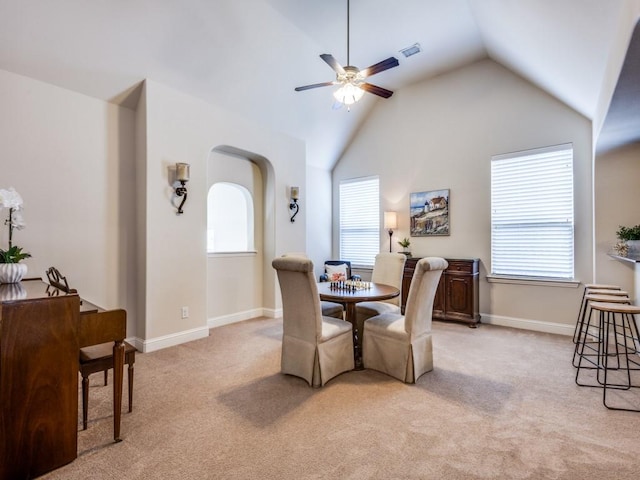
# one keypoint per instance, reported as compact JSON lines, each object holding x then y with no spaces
{"x":349,"y":294}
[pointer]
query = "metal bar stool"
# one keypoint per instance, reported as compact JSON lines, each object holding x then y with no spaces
{"x":589,"y":335}
{"x":581,"y":313}
{"x":589,"y":288}
{"x":618,"y":351}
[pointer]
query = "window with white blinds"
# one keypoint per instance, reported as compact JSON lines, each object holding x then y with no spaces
{"x":532,"y":213}
{"x":360,"y":220}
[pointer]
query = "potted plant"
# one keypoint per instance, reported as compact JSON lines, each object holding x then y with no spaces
{"x":404,"y":243}
{"x":630,"y":236}
{"x":11,"y":270}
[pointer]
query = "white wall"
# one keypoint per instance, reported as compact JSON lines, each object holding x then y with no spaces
{"x":617,"y":202}
{"x":629,"y":16}
{"x":318,"y":206}
{"x":71,"y":157}
{"x":236,"y":278}
{"x":181,"y":128}
{"x":441,"y":134}
{"x":96,"y":182}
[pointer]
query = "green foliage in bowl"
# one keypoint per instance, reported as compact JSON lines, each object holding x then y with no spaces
{"x":13,"y":254}
{"x":628,"y":233}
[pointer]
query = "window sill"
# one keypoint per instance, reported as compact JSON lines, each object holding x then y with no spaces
{"x":249,"y":253}
{"x":541,"y":282}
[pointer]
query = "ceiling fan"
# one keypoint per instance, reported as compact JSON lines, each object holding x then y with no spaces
{"x":352,"y":79}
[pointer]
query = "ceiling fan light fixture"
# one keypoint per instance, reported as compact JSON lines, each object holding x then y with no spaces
{"x":351,"y":79}
{"x":348,"y":94}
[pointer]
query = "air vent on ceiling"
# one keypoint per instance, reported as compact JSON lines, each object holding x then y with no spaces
{"x":412,"y":50}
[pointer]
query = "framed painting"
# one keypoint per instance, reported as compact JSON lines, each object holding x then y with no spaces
{"x":429,"y":213}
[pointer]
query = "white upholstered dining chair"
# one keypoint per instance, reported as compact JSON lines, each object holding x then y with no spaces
{"x":388,"y":269}
{"x":401,"y":346}
{"x":314,"y":347}
{"x":329,"y":309}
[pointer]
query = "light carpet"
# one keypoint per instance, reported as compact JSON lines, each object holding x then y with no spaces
{"x":500,"y":403}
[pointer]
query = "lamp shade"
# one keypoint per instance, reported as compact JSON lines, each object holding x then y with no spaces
{"x":182,"y":172}
{"x":390,"y":220}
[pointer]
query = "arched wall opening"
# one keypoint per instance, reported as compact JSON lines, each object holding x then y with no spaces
{"x":240,"y":285}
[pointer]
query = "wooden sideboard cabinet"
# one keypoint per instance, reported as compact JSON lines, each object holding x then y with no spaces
{"x":457,"y":294}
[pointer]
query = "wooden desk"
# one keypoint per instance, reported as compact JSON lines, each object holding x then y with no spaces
{"x":349,"y":299}
{"x":41,"y":330}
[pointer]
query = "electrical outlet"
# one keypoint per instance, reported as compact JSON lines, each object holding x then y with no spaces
{"x":185,"y":312}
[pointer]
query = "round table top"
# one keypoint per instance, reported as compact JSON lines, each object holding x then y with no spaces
{"x":374,"y":292}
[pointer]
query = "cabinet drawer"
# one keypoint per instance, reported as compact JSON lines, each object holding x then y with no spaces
{"x":460,"y":266}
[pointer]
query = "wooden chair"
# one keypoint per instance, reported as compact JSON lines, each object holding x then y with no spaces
{"x":106,"y":326}
{"x":99,"y":358}
{"x":102,"y":347}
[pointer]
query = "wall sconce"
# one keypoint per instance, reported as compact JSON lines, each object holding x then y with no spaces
{"x":390,"y":222}
{"x":293,"y":202}
{"x":182,"y":176}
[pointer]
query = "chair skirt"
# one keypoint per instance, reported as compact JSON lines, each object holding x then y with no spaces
{"x":318,"y":362}
{"x":389,"y":349}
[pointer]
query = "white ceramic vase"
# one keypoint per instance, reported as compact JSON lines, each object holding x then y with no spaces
{"x":12,"y":291}
{"x":12,"y":272}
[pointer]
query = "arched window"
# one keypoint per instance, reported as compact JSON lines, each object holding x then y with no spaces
{"x":229,"y":218}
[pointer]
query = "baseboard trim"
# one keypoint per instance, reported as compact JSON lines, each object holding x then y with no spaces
{"x":172,"y":340}
{"x":272,"y":312}
{"x":241,"y":316}
{"x":526,"y":324}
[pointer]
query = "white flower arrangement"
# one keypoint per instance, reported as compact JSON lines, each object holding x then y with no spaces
{"x":12,"y":200}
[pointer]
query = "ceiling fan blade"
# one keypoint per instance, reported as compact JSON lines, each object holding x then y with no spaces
{"x":381,"y":92}
{"x":380,"y":67}
{"x":332,"y":62}
{"x":315,"y":85}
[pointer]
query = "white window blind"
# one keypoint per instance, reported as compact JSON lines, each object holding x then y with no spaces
{"x":532,"y":213}
{"x":360,"y":220}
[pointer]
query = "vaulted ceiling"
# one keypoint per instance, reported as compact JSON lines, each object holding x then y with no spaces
{"x":249,"y":55}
